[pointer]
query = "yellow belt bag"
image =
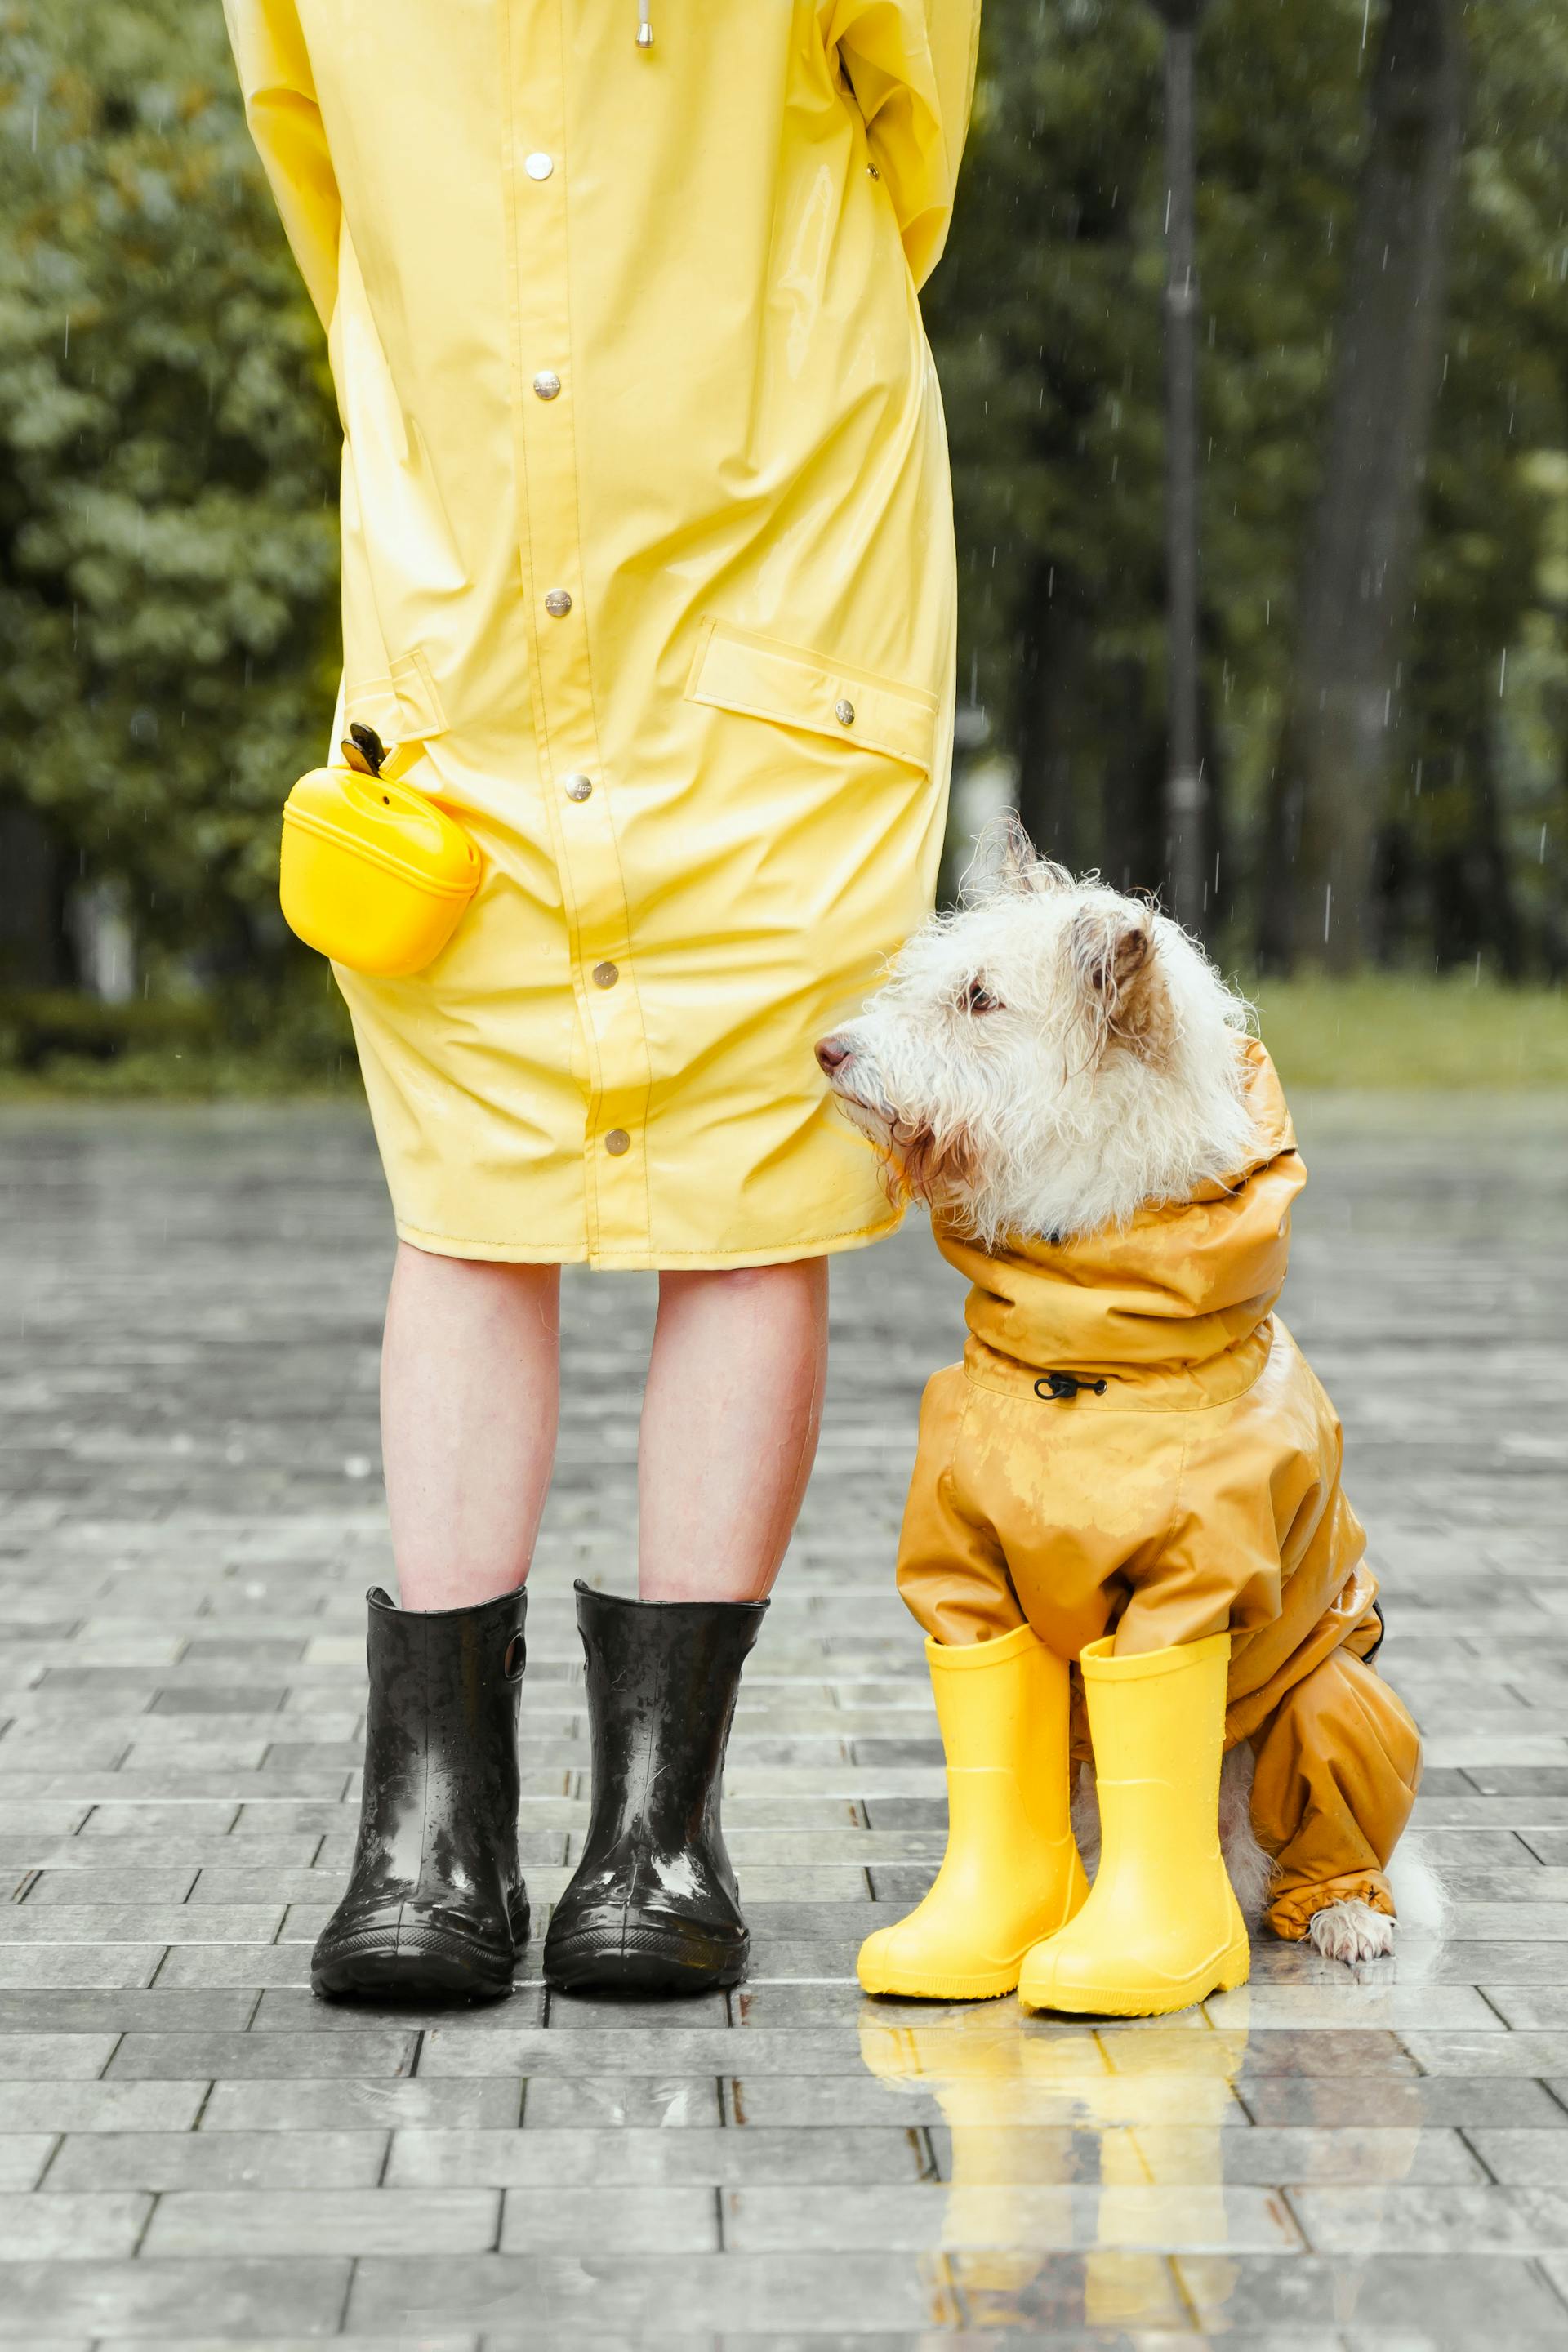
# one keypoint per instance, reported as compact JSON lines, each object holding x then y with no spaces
{"x":373,"y":873}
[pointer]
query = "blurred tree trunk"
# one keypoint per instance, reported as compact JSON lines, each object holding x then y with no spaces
{"x":1051,"y":635}
{"x":1497,"y":904}
{"x":1130,"y":851}
{"x":1554,"y":856}
{"x":1327,"y":798}
{"x":35,"y":943}
{"x":1475,"y":906}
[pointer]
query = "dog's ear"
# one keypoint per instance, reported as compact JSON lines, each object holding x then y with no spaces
{"x":1006,"y":864}
{"x":1112,"y":949}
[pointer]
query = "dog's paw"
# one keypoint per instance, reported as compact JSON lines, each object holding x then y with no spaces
{"x":1352,"y":1932}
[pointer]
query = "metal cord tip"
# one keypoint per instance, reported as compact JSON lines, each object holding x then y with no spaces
{"x":645,"y":37}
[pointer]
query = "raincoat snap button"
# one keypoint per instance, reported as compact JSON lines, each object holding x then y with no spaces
{"x":606,"y":974}
{"x":539,"y":166}
{"x":844,"y":711}
{"x":616,"y":1141}
{"x":547,"y":384}
{"x":558,"y":603}
{"x":579,"y":787}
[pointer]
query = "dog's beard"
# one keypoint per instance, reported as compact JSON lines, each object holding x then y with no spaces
{"x":918,"y":1164}
{"x":876,"y":1120}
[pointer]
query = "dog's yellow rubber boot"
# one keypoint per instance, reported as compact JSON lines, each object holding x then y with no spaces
{"x":1011,"y":1873}
{"x":1162,"y":1928}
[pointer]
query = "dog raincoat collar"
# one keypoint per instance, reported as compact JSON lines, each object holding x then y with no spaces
{"x":1181,"y":1289}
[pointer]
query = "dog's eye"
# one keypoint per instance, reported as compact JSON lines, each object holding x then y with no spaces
{"x":977,"y":998}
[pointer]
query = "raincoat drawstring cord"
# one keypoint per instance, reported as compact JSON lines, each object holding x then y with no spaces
{"x":1054,"y":1386}
{"x":645,"y":25}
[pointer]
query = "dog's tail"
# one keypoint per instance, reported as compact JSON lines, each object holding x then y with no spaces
{"x":1416,"y":1884}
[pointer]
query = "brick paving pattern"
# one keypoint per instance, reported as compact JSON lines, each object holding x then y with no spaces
{"x":193,"y":2152}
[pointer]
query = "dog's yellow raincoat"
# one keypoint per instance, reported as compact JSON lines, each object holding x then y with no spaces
{"x":648,"y":541}
{"x":1200,"y":1491}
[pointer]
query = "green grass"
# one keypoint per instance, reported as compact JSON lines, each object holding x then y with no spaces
{"x":176,"y":1075}
{"x":1379,"y":1034}
{"x":241,"y":1041}
{"x":1390,"y":1032}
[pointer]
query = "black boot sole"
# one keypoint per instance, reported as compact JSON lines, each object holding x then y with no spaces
{"x":416,"y":1964}
{"x":639,"y":1955}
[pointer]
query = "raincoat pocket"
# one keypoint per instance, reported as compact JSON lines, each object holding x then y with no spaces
{"x":404,"y":707}
{"x":760,"y":678}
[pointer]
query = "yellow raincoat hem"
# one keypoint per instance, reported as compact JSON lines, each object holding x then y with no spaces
{"x":642,"y":1261}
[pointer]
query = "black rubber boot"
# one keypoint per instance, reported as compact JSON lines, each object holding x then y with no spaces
{"x":653,"y":1905}
{"x":436,"y":1909}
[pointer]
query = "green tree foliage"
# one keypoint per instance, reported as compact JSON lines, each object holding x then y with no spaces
{"x":167,"y":533}
{"x":1477,"y":835}
{"x":1047,"y":325}
{"x":167,"y":559}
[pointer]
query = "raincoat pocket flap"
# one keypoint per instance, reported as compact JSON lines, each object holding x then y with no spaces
{"x":763,"y":679}
{"x":404,"y":707}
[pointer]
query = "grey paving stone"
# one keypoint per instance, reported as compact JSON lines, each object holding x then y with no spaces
{"x":60,"y":2057}
{"x":445,"y":2341}
{"x":628,"y":2102}
{"x":1522,"y":2157}
{"x":290,"y":2011}
{"x":115,"y":1924}
{"x":591,"y":2158}
{"x":254,"y":1967}
{"x":650,"y":2218}
{"x":222,"y":1884}
{"x":53,"y":1888}
{"x":1036,"y":2217}
{"x":81,"y":1965}
{"x":77,"y":2011}
{"x":609,"y":2290}
{"x":344,"y":2104}
{"x":636,"y":2050}
{"x":172,"y":2301}
{"x":23,"y":2156}
{"x":254,"y":2220}
{"x":71,"y":2228}
{"x":240,"y":2056}
{"x":110,"y":1821}
{"x":1492,"y":2053}
{"x":572,"y":2013}
{"x":68,"y":2106}
{"x":182,"y":1679}
{"x":1398,"y":2219}
{"x":220,"y":2160}
{"x":1494,"y":2298}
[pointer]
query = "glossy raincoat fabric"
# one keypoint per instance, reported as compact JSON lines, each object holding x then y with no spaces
{"x":1200,"y":1493}
{"x":647,"y":541}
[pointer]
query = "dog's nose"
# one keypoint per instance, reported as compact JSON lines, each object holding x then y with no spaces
{"x":832,"y":1053}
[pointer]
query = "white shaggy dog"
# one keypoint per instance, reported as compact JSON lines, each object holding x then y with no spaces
{"x":1046,"y":1061}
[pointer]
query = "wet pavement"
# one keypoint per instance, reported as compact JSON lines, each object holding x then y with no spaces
{"x":194,"y":2152}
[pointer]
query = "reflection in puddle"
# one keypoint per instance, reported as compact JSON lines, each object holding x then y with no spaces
{"x":1108,"y":2144}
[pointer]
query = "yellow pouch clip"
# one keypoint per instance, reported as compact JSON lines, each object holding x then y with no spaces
{"x":372,"y":874}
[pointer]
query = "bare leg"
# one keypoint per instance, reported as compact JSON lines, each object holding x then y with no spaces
{"x":729,"y":1423}
{"x":470,"y":1395}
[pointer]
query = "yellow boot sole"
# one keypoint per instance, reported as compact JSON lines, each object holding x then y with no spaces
{"x":1163,"y":2000}
{"x":916,"y":1984}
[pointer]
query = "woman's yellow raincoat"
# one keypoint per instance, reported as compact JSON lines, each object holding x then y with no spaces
{"x":647,"y":541}
{"x":1199,"y":1492}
